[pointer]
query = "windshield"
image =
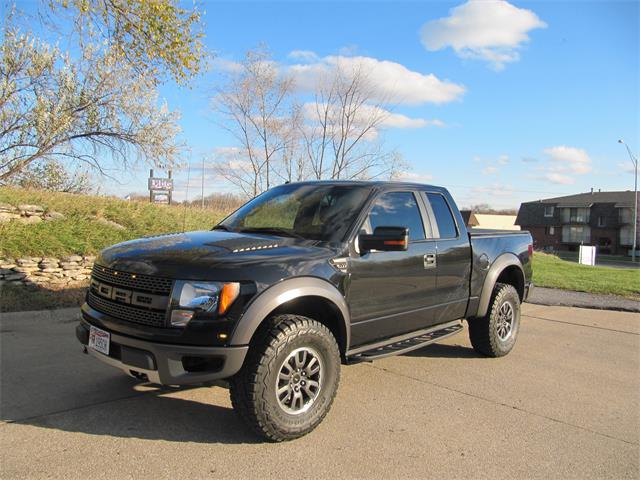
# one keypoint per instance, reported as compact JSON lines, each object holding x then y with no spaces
{"x":313,"y":212}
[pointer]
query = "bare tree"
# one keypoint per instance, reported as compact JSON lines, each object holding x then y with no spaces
{"x":341,"y":135}
{"x":85,"y":109}
{"x":335,"y":136}
{"x":256,"y":108}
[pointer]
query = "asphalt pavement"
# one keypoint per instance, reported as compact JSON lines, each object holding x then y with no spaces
{"x":563,"y":404}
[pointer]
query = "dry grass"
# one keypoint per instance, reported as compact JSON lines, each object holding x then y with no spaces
{"x":80,"y":233}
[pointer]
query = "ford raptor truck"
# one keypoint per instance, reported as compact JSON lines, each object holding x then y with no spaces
{"x":299,"y":281}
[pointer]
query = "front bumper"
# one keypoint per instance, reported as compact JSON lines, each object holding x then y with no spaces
{"x":167,"y":364}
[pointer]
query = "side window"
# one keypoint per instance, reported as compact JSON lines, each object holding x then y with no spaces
{"x":444,"y":218}
{"x":396,"y":209}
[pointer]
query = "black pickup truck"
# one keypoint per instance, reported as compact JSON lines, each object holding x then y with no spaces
{"x":301,"y":279}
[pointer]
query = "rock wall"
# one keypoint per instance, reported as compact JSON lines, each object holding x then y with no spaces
{"x":47,"y":272}
{"x":27,"y":214}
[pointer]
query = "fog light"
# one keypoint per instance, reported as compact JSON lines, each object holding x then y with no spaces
{"x":180,"y":318}
{"x":222,"y":336}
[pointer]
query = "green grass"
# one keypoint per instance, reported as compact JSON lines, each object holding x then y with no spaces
{"x":553,"y":272}
{"x":80,"y":233}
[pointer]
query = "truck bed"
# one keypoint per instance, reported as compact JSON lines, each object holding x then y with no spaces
{"x":484,"y":232}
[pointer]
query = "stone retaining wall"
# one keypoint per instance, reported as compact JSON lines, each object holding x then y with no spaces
{"x":27,"y":214}
{"x":47,"y":272}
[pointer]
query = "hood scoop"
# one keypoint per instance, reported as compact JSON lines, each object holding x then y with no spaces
{"x":254,"y":248}
{"x":244,"y":244}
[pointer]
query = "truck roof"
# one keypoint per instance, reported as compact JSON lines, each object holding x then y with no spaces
{"x":371,"y":183}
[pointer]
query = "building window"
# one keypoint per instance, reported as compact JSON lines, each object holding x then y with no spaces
{"x":575,"y":215}
{"x":550,"y":230}
{"x":625,"y":215}
{"x":626,"y":235}
{"x":548,"y":211}
{"x":602,"y":221}
{"x":576,"y":234}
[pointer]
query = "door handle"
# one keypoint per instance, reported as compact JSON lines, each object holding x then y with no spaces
{"x":429,"y":260}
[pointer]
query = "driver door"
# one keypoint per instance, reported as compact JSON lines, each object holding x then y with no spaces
{"x":391,"y":293}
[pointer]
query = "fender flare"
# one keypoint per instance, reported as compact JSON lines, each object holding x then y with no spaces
{"x":284,"y":292}
{"x":499,"y":264}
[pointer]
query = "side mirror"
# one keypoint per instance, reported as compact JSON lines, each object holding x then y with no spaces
{"x":385,"y":239}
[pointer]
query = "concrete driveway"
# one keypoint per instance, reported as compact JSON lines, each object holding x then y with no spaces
{"x":563,"y":404}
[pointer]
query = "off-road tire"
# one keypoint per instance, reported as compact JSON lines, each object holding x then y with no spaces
{"x":484,"y":331}
{"x":253,"y":388}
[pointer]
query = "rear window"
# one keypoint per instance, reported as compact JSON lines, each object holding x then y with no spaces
{"x":444,"y":218}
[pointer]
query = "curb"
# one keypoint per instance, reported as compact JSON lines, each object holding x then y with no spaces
{"x":554,"y":297}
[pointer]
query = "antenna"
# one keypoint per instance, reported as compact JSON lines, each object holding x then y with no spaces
{"x":186,"y":200}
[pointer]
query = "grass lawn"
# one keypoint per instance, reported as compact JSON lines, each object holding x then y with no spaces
{"x":551,"y":271}
{"x":80,"y":233}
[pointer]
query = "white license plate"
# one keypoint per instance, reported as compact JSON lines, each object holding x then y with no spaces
{"x":99,"y":340}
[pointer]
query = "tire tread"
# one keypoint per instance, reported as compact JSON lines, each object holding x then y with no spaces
{"x":248,"y":388}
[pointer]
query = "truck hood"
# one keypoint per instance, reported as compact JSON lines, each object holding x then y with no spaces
{"x":216,"y":255}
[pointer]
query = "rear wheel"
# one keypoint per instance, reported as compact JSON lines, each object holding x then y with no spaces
{"x":494,"y":335}
{"x":289,"y":379}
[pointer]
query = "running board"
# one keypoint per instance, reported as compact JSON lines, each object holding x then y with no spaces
{"x":404,"y":343}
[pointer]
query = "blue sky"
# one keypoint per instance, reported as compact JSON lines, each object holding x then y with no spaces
{"x":549,"y":87}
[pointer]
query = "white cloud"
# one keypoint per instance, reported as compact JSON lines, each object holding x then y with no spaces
{"x":559,"y":178}
{"x":627,"y":167}
{"x":390,"y":81}
{"x":303,"y":55}
{"x":490,"y":30}
{"x":492,"y":166}
{"x":569,"y":159}
{"x":226,"y":65}
{"x":565,"y":163}
{"x":389,"y":119}
{"x":226,"y":152}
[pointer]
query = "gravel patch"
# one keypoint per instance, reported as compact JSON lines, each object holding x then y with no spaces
{"x":568,"y":298}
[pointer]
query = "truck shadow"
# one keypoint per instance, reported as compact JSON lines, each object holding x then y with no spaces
{"x":160,"y":414}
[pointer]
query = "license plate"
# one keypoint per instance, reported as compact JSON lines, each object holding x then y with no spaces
{"x":99,"y":340}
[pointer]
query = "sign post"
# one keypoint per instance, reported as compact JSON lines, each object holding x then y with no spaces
{"x":160,"y":188}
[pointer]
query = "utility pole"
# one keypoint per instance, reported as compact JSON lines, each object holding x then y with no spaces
{"x":202,"y":188}
{"x":634,"y":160}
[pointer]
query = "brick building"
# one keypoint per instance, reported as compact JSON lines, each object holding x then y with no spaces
{"x":603,"y":219}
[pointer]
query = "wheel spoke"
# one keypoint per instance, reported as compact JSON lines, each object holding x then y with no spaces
{"x":299,"y":380}
{"x":309,"y":368}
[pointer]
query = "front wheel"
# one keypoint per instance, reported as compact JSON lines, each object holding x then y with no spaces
{"x":289,"y":378}
{"x":494,"y":335}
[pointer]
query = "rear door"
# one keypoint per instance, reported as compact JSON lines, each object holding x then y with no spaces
{"x":453,"y":258}
{"x":390,"y":292}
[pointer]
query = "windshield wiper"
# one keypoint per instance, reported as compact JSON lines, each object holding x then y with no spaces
{"x":273,"y":230}
{"x":223,"y":227}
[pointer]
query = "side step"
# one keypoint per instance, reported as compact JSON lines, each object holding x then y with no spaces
{"x":404,"y":343}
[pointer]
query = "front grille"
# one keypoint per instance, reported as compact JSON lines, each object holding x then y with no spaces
{"x":135,"y":281}
{"x":125,"y":312}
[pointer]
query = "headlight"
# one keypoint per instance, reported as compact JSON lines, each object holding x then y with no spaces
{"x":204,"y":297}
